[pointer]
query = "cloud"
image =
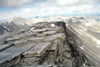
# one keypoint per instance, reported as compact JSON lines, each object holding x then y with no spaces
{"x":15,"y":3}
{"x":45,"y":3}
{"x":62,"y":3}
{"x":32,"y":12}
{"x":51,"y":7}
{"x":75,"y":2}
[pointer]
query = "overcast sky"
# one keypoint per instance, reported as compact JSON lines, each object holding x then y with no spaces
{"x":32,"y":8}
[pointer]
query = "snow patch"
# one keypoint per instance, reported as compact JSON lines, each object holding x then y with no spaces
{"x":52,"y":25}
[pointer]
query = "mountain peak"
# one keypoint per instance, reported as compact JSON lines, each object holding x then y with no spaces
{"x":12,"y":19}
{"x":55,"y":15}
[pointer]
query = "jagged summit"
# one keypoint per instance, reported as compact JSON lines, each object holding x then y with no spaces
{"x":54,"y":18}
{"x":15,"y":23}
{"x":50,"y":45}
{"x":35,"y":19}
{"x":83,"y":42}
{"x":85,"y":20}
{"x":9,"y":20}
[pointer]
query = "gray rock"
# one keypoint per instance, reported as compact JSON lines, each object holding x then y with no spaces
{"x":13,"y":51}
{"x":38,"y":30}
{"x":36,"y":39}
{"x":20,"y":42}
{"x":53,"y":47}
{"x":49,"y":32}
{"x":38,"y":49}
{"x":5,"y":46}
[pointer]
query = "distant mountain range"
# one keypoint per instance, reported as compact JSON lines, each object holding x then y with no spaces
{"x":16,"y":23}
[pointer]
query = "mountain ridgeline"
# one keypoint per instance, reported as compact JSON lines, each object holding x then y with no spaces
{"x":65,"y":42}
{"x":16,"y":23}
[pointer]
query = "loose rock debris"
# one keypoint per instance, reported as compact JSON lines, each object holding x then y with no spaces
{"x":48,"y":45}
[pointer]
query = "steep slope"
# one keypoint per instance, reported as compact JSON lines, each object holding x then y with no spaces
{"x":89,"y":43}
{"x":97,"y":17}
{"x":54,"y":18}
{"x":15,"y":23}
{"x":2,"y":30}
{"x":35,"y":20}
{"x":86,"y":20}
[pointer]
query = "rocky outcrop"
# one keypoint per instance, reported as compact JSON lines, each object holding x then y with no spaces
{"x":2,"y":30}
{"x":17,"y":23}
{"x":42,"y":45}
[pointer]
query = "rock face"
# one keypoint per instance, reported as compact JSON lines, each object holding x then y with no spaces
{"x":54,"y":18}
{"x":85,"y":40}
{"x":35,"y":20}
{"x":2,"y":30}
{"x":42,"y":45}
{"x":16,"y":23}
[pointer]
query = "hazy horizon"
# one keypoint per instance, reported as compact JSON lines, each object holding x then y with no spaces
{"x":45,"y":8}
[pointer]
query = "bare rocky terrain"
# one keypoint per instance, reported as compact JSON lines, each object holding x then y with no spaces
{"x":67,"y":42}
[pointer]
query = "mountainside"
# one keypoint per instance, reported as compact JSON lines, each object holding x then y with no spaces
{"x":54,"y":18}
{"x":81,"y":20}
{"x":17,"y":23}
{"x":85,"y":22}
{"x":81,"y":34}
{"x":97,"y":17}
{"x":61,"y":45}
{"x":2,"y":30}
{"x":35,"y":20}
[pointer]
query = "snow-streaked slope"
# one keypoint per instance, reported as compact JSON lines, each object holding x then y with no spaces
{"x":86,"y":20}
{"x":15,"y":23}
{"x":35,"y":20}
{"x":55,"y":18}
{"x":83,"y":21}
{"x":2,"y":30}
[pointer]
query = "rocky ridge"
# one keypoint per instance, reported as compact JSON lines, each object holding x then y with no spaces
{"x":41,"y":45}
{"x":17,"y":23}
